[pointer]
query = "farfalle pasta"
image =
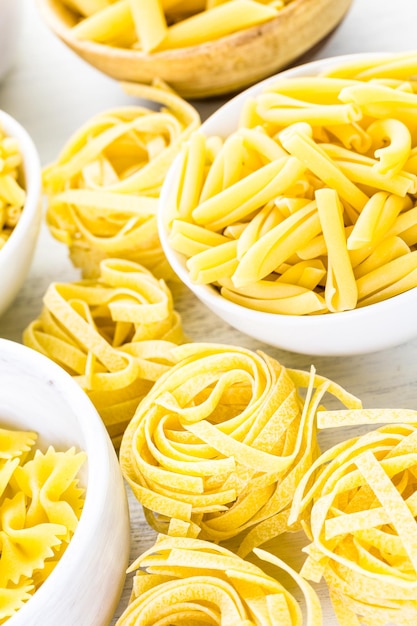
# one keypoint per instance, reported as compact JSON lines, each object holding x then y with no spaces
{"x":309,"y":206}
{"x":103,"y":188}
{"x":113,"y":334}
{"x":357,"y":506}
{"x":190,"y":581}
{"x":12,"y":191}
{"x":40,"y":505}
{"x":216,"y":448}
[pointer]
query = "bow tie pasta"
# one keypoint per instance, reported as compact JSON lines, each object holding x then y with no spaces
{"x":40,"y":505}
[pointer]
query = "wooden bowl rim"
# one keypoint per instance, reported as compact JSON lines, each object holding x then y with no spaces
{"x":233,"y":40}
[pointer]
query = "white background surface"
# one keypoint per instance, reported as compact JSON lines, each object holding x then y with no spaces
{"x":52,"y":92}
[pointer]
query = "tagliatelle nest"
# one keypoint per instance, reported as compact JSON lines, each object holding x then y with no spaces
{"x":219,"y":444}
{"x":103,"y":189}
{"x":114,"y":334}
{"x":186,"y":582}
{"x":358,"y":503}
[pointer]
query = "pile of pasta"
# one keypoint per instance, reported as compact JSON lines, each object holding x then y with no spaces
{"x":12,"y":191}
{"x":357,"y":504}
{"x":40,"y":505}
{"x":217,"y":447}
{"x":158,"y":25}
{"x":190,"y":581}
{"x":114,"y":334}
{"x":103,"y":189}
{"x":309,"y":206}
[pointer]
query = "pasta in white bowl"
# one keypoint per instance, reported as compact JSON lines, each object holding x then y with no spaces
{"x":63,"y":510}
{"x":291,"y":213}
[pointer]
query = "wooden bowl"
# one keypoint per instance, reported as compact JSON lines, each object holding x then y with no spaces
{"x":215,"y":68}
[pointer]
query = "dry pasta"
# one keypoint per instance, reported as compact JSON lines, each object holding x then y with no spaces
{"x":358,"y":507}
{"x":191,"y":581}
{"x":113,"y":334}
{"x":218,"y":445}
{"x":309,"y":206}
{"x":154,"y":25}
{"x":12,"y":191}
{"x":40,"y":505}
{"x":103,"y":189}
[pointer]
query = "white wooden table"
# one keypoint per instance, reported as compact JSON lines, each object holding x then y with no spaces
{"x":52,"y":92}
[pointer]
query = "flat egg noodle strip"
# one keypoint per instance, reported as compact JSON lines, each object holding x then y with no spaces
{"x":63,"y":311}
{"x":100,"y":200}
{"x":341,"y":417}
{"x":400,"y":516}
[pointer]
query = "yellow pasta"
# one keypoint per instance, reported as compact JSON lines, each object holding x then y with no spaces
{"x":114,"y":334}
{"x":40,"y":505}
{"x":219,"y":443}
{"x":358,"y":507}
{"x":12,"y":192}
{"x":190,"y":581}
{"x":316,"y":188}
{"x":103,"y":189}
{"x":157,"y":25}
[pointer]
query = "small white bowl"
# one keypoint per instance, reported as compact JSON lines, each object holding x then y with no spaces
{"x":17,"y":253}
{"x":367,"y":329}
{"x":84,"y":588}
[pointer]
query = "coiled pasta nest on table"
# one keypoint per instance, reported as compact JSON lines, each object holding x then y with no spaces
{"x":190,"y":581}
{"x":358,"y":507}
{"x":113,"y":333}
{"x":103,"y":189}
{"x":219,"y":444}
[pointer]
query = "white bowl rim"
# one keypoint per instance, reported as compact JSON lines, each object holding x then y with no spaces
{"x":32,"y":174}
{"x":98,"y":449}
{"x":209,"y":293}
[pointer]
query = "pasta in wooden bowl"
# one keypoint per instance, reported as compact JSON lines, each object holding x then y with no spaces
{"x":292,"y":213}
{"x":200,"y":47}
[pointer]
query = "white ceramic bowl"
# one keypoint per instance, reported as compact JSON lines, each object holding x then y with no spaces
{"x":368,"y":329}
{"x":85,"y":586}
{"x":16,"y":255}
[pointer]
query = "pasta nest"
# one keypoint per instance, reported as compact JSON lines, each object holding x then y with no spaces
{"x":113,"y":334}
{"x":358,"y":506}
{"x":190,"y":581}
{"x":103,"y":189}
{"x":220,"y":442}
